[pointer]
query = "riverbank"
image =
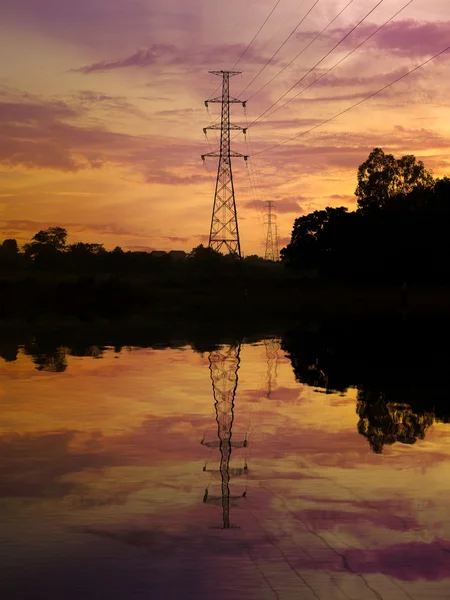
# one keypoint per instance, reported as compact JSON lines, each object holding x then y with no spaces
{"x":212,"y":299}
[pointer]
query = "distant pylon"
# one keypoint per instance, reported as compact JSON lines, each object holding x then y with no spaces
{"x":277,"y":243}
{"x":272,"y":234}
{"x":224,"y":229}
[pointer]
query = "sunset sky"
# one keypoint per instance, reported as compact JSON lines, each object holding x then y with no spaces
{"x":102,"y":111}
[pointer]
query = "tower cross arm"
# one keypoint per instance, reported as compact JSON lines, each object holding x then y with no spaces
{"x":222,"y":73}
{"x":218,"y":155}
{"x":218,"y":100}
{"x":218,"y":127}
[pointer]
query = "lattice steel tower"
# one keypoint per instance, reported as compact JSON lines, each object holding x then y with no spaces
{"x":224,"y":229}
{"x":272,"y":252}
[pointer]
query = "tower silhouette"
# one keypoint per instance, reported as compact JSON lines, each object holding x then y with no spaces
{"x":224,"y":366}
{"x":224,"y":230}
{"x":272,"y":234}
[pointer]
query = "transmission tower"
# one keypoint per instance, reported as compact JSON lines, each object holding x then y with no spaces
{"x":277,"y":243}
{"x":224,"y":366}
{"x":224,"y":229}
{"x":272,"y":234}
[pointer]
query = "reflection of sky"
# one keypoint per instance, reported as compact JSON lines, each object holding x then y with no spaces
{"x":102,"y":485}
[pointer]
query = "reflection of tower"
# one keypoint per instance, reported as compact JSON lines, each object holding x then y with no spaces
{"x":224,"y":366}
{"x":272,"y":348}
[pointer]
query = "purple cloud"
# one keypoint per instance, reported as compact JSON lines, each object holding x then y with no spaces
{"x":168,"y":54}
{"x":145,"y":57}
{"x":409,"y":561}
{"x":285,"y":205}
{"x":409,"y":37}
{"x":44,"y":134}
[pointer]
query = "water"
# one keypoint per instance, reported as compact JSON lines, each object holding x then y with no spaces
{"x":168,"y":473}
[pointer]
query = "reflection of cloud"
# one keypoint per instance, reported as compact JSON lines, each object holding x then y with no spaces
{"x":279,"y":394}
{"x":324,"y":519}
{"x":408,"y":562}
{"x":36,"y":465}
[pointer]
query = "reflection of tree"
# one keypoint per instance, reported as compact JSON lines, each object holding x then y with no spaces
{"x":8,"y":350}
{"x":49,"y":355}
{"x":384,"y":422}
{"x":53,"y":360}
{"x":396,"y":366}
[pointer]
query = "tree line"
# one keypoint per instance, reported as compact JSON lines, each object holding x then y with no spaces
{"x":49,"y":251}
{"x":398,"y":231}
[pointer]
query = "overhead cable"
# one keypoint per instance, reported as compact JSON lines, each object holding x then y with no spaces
{"x":416,"y":68}
{"x":341,"y":60}
{"x":280,"y":47}
{"x":319,"y":62}
{"x":301,"y":51}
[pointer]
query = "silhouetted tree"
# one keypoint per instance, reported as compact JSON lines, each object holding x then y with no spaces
{"x":202,"y":254}
{"x":10,"y":247}
{"x":53,"y":236}
{"x":312,"y":235}
{"x":9,"y":254}
{"x":47,"y":246}
{"x":382,"y":177}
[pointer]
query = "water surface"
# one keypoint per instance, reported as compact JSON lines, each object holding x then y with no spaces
{"x":168,"y":473}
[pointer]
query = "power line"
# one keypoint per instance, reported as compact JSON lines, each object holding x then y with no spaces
{"x":253,"y":39}
{"x":320,"y":61}
{"x":256,"y":34}
{"x":342,"y":59}
{"x":280,"y":47}
{"x":289,"y":20}
{"x":416,"y":68}
{"x":303,"y":50}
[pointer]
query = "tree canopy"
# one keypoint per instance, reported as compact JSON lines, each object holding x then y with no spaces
{"x":398,"y":231}
{"x":383,"y":177}
{"x":53,"y":236}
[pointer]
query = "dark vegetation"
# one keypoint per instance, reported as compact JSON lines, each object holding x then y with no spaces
{"x":390,"y":254}
{"x":396,"y":365}
{"x":399,"y":231}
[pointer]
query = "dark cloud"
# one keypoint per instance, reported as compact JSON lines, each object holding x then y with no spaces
{"x":346,"y":198}
{"x":145,"y":57}
{"x":15,"y":226}
{"x":174,"y":238}
{"x":320,"y":519}
{"x":403,"y":38}
{"x":285,"y":205}
{"x":44,"y":134}
{"x":408,"y":562}
{"x":37,"y":465}
{"x":170,"y":55}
